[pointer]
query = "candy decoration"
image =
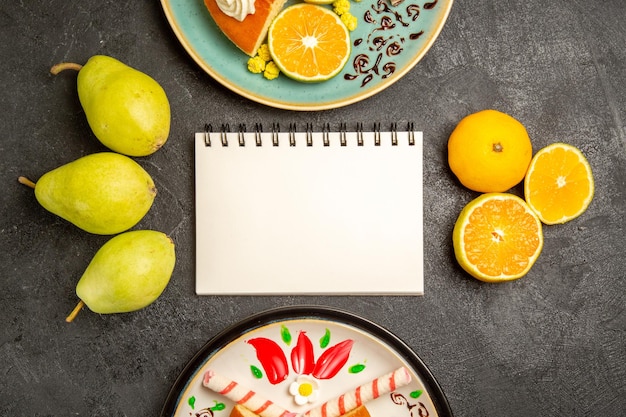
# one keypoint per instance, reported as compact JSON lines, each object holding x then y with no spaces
{"x":244,"y":396}
{"x":302,"y":356}
{"x":272,"y":359}
{"x":353,"y":399}
{"x":332,"y":360}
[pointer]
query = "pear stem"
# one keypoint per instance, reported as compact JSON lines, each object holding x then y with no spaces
{"x":26,"y":181}
{"x":75,"y":312}
{"x":64,"y":66}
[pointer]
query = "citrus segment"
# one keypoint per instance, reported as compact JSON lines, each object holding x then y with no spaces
{"x":497,"y":237}
{"x":559,"y":185}
{"x":309,"y":42}
{"x":489,"y":151}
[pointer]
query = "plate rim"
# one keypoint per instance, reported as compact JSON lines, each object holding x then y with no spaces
{"x":305,"y":107}
{"x":298,"y":312}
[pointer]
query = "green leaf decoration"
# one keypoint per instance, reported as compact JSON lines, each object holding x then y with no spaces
{"x":285,"y":334}
{"x":258,"y":374}
{"x":192,"y":402}
{"x":218,"y":406}
{"x":416,"y":394}
{"x":355,"y":369}
{"x":325,"y":340}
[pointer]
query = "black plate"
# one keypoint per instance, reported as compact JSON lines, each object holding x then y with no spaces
{"x":373,"y":341}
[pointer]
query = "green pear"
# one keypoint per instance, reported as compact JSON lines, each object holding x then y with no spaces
{"x":127,"y":110}
{"x":127,"y":273}
{"x":103,"y":193}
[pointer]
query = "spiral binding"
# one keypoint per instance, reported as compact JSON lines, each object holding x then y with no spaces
{"x":308,"y":130}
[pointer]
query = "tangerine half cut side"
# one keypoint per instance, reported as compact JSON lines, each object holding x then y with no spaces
{"x":497,"y":237}
{"x":559,"y":184}
{"x":309,"y":42}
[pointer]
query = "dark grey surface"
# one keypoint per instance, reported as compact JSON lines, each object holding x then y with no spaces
{"x":552,"y":343}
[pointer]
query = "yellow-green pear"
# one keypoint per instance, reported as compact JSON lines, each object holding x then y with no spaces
{"x":103,"y":193}
{"x":127,"y":110}
{"x":127,"y":273}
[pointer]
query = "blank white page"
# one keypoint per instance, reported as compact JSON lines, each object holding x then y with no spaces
{"x":309,"y":219}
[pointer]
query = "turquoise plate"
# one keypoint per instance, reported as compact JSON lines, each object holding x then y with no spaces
{"x":387,"y":43}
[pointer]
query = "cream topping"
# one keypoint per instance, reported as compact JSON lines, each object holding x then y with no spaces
{"x":237,"y":9}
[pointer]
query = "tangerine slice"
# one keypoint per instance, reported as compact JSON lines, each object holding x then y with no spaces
{"x":559,"y":184}
{"x":309,"y":42}
{"x":497,"y":237}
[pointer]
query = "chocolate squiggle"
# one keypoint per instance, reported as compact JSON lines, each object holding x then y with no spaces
{"x":384,"y":41}
{"x":418,"y":409}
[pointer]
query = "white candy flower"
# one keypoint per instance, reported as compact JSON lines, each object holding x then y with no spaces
{"x":304,"y":390}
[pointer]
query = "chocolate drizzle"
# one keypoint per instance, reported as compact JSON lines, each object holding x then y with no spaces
{"x":414,"y":36}
{"x":417,"y":409}
{"x":384,"y":41}
{"x":413,"y":10}
{"x":430,"y":5}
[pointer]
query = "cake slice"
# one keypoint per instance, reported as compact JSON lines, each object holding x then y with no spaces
{"x":249,"y":33}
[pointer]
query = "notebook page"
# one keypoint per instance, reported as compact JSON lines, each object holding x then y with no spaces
{"x":309,"y":219}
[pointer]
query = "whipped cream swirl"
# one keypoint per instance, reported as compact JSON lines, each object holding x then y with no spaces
{"x":238,"y":9}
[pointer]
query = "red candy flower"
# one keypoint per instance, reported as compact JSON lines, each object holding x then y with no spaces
{"x":302,"y":357}
{"x":332,"y":360}
{"x":274,"y":361}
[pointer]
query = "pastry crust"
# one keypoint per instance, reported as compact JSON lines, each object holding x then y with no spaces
{"x":360,"y":411}
{"x":241,"y":411}
{"x":250,"y":33}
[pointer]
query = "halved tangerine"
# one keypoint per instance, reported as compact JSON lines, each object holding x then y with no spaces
{"x":309,"y":42}
{"x":559,"y":184}
{"x":497,"y":237}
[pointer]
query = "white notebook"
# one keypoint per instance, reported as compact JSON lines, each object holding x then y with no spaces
{"x":309,"y":212}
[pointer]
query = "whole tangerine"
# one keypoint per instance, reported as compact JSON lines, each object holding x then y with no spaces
{"x":489,"y":151}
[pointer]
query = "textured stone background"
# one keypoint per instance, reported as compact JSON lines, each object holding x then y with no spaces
{"x":552,"y":343}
